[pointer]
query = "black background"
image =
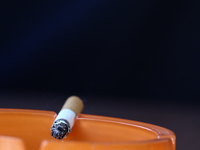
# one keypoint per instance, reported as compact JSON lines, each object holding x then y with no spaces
{"x":141,"y":56}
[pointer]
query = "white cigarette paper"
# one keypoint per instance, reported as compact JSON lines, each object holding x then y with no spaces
{"x":68,"y":115}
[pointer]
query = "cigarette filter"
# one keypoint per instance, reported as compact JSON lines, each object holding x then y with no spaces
{"x":64,"y":122}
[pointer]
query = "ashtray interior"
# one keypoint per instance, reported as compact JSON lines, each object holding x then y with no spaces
{"x":32,"y":127}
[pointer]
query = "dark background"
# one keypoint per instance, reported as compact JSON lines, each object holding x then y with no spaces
{"x":134,"y":59}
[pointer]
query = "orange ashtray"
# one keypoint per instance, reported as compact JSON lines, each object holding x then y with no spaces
{"x":22,"y":129}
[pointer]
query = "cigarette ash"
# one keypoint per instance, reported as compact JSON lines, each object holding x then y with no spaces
{"x":60,"y":129}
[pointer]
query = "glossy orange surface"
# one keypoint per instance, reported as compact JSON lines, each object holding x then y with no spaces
{"x":90,"y":132}
{"x":8,"y":143}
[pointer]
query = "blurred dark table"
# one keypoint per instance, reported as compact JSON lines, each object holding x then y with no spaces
{"x":183,"y":119}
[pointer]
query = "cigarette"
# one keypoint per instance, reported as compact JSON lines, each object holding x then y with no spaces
{"x":64,"y":122}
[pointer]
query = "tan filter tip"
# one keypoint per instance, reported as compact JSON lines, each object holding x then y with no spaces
{"x":74,"y":103}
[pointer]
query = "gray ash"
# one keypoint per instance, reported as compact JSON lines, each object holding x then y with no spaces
{"x":60,"y":129}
